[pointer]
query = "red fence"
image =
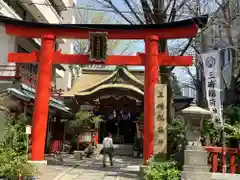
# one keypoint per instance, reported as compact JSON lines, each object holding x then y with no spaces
{"x":225,"y":160}
{"x":8,"y":72}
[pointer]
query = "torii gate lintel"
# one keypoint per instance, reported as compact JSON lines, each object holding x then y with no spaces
{"x":138,"y":60}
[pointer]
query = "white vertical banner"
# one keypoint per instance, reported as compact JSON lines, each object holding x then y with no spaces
{"x":212,"y":74}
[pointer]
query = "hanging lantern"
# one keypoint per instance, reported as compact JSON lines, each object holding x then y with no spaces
{"x":98,"y":46}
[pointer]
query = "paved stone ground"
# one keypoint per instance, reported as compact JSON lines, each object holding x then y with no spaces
{"x":125,"y":168}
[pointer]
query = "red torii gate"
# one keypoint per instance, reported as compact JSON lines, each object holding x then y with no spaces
{"x":47,"y":56}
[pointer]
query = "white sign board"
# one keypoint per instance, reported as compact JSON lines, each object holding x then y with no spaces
{"x":160,"y":119}
{"x":28,"y":129}
{"x":212,"y":76}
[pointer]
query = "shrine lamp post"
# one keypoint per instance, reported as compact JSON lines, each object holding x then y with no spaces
{"x":195,"y":156}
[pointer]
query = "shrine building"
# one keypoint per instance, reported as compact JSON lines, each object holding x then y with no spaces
{"x":117,"y":95}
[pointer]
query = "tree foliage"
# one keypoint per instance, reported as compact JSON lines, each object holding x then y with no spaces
{"x":13,"y":150}
{"x":83,"y":119}
{"x":232,"y":123}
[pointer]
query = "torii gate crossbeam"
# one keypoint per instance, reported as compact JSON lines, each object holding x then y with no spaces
{"x":47,"y":56}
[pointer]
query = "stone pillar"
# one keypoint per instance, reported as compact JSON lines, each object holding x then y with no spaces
{"x":160,"y":120}
{"x":195,"y":157}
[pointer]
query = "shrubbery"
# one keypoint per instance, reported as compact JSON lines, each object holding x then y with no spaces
{"x":159,"y":169}
{"x":13,"y":150}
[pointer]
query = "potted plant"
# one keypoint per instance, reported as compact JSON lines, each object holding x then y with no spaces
{"x":84,"y":126}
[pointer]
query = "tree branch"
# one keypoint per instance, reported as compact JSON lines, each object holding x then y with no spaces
{"x":167,"y":6}
{"x":117,"y":10}
{"x":173,"y":12}
{"x":191,"y":75}
{"x":182,"y":3}
{"x":147,"y":12}
{"x":183,"y":51}
{"x":132,"y":10}
{"x":187,"y":46}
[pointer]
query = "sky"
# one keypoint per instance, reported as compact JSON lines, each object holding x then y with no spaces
{"x":136,"y":46}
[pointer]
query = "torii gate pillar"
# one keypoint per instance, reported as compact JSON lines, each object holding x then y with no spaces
{"x":43,"y":94}
{"x":150,"y":79}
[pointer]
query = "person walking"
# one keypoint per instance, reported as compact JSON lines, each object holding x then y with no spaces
{"x":108,"y":149}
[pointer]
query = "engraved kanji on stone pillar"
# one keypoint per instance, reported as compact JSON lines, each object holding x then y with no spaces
{"x":160,"y":119}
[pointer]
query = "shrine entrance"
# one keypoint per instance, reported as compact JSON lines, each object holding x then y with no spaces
{"x":98,"y":35}
{"x":123,"y":130}
{"x":120,"y":118}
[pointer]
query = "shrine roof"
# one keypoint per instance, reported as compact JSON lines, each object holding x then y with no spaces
{"x":27,"y":94}
{"x":199,"y":21}
{"x":94,"y":80}
{"x":98,"y":78}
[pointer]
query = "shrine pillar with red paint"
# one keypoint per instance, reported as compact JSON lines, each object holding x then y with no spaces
{"x":96,"y":133}
{"x":150,"y":79}
{"x":43,"y":92}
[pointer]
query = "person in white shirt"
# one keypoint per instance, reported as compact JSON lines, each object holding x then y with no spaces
{"x":108,"y":149}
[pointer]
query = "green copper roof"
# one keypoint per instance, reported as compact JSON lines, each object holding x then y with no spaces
{"x":27,"y":93}
{"x":17,"y":93}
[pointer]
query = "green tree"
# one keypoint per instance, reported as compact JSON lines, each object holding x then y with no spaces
{"x":84,"y":120}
